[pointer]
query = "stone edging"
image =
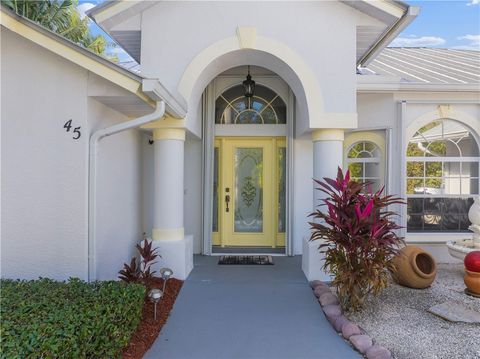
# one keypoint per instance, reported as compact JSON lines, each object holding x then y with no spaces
{"x":350,"y":331}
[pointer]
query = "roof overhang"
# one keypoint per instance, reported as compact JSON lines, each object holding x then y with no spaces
{"x":146,"y":91}
{"x":74,"y":53}
{"x":111,"y":13}
{"x":395,"y":15}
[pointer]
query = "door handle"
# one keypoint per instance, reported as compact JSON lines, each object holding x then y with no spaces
{"x":227,"y":200}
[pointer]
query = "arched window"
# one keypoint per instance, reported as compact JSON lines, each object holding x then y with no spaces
{"x":442,"y":175}
{"x":265,"y":107}
{"x":363,"y":160}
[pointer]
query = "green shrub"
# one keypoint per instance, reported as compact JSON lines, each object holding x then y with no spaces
{"x":74,"y":319}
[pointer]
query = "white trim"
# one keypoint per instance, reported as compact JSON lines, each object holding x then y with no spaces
{"x":403,"y":165}
{"x":210,"y":130}
{"x":208,"y":113}
{"x":371,"y":87}
{"x":250,"y":130}
{"x":434,"y":237}
{"x":442,"y":159}
{"x":388,"y":160}
{"x":407,"y":132}
{"x":290,"y":171}
{"x":440,"y":195}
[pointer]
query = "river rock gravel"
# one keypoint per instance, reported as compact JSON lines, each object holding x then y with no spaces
{"x":398,"y":319}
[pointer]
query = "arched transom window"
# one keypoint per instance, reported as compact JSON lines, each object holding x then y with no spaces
{"x":363,"y":160}
{"x":442,"y":175}
{"x":265,"y":107}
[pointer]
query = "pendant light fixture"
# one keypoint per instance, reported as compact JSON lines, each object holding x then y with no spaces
{"x":248,"y":85}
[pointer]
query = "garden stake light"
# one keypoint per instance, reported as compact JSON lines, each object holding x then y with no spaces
{"x":155,"y":295}
{"x":166,"y":273}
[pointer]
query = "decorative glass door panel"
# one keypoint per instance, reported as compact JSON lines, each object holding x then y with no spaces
{"x":248,"y":189}
{"x":249,"y":192}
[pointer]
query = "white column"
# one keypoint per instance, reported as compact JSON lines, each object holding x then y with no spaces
{"x":168,"y":234}
{"x":327,"y":157}
{"x":168,"y":207}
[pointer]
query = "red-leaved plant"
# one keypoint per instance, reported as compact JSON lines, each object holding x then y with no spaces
{"x":358,"y":238}
{"x":140,"y":272}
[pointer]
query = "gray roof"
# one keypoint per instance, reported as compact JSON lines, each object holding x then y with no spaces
{"x":427,"y":65}
{"x":132,"y":66}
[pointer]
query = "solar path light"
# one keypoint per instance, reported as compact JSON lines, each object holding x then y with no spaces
{"x":155,"y":295}
{"x":166,"y":274}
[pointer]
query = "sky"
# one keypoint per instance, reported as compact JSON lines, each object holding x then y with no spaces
{"x":446,"y":24}
{"x":441,"y":23}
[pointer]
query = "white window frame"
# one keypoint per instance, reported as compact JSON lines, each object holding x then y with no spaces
{"x":425,"y":159}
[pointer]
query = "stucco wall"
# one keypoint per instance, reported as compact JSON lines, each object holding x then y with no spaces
{"x":331,"y":58}
{"x":193,"y":192}
{"x":43,"y":180}
{"x":303,"y":190}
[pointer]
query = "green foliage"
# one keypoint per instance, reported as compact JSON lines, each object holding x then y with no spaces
{"x":74,"y":319}
{"x":62,"y":17}
{"x":357,"y":236}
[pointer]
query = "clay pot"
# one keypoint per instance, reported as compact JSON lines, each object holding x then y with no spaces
{"x":415,"y":268}
{"x":472,"y":281}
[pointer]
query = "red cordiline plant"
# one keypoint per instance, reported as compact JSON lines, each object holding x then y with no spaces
{"x":140,"y":272}
{"x":358,"y":238}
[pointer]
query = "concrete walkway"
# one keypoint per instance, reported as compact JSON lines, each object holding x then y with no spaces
{"x":248,"y":312}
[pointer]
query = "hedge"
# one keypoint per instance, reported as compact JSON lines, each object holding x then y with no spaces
{"x":74,"y":319}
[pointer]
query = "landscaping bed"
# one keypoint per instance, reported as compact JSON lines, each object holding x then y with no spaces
{"x":399,"y":319}
{"x":148,"y":329}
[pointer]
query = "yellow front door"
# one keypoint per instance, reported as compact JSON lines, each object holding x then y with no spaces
{"x":250,"y":190}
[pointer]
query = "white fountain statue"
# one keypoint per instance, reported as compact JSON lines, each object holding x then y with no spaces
{"x":459,"y":249}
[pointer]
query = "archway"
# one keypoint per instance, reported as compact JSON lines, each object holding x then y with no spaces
{"x":249,"y":49}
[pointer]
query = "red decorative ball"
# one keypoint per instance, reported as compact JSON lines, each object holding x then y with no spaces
{"x":472,"y":261}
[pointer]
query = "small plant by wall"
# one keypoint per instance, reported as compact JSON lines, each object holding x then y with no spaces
{"x":357,"y":235}
{"x":140,"y":271}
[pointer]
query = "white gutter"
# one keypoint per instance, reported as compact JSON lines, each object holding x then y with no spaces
{"x":390,"y":34}
{"x":92,"y":177}
{"x":373,"y":87}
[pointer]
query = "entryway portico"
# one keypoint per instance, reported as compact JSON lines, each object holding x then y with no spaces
{"x":320,"y":82}
{"x":324,"y":153}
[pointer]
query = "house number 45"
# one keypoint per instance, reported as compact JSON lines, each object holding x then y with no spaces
{"x":68,"y":125}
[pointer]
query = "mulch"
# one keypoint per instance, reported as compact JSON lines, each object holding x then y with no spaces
{"x":148,"y":329}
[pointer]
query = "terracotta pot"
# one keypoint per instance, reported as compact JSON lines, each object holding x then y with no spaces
{"x":415,"y":268}
{"x":472,"y":281}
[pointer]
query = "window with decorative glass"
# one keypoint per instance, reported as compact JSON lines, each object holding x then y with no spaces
{"x":442,"y":177}
{"x":265,"y":107}
{"x":364,"y":162}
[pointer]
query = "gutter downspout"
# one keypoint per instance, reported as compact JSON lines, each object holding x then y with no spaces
{"x":92,"y":177}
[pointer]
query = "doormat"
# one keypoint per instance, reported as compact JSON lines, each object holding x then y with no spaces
{"x":248,"y":260}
